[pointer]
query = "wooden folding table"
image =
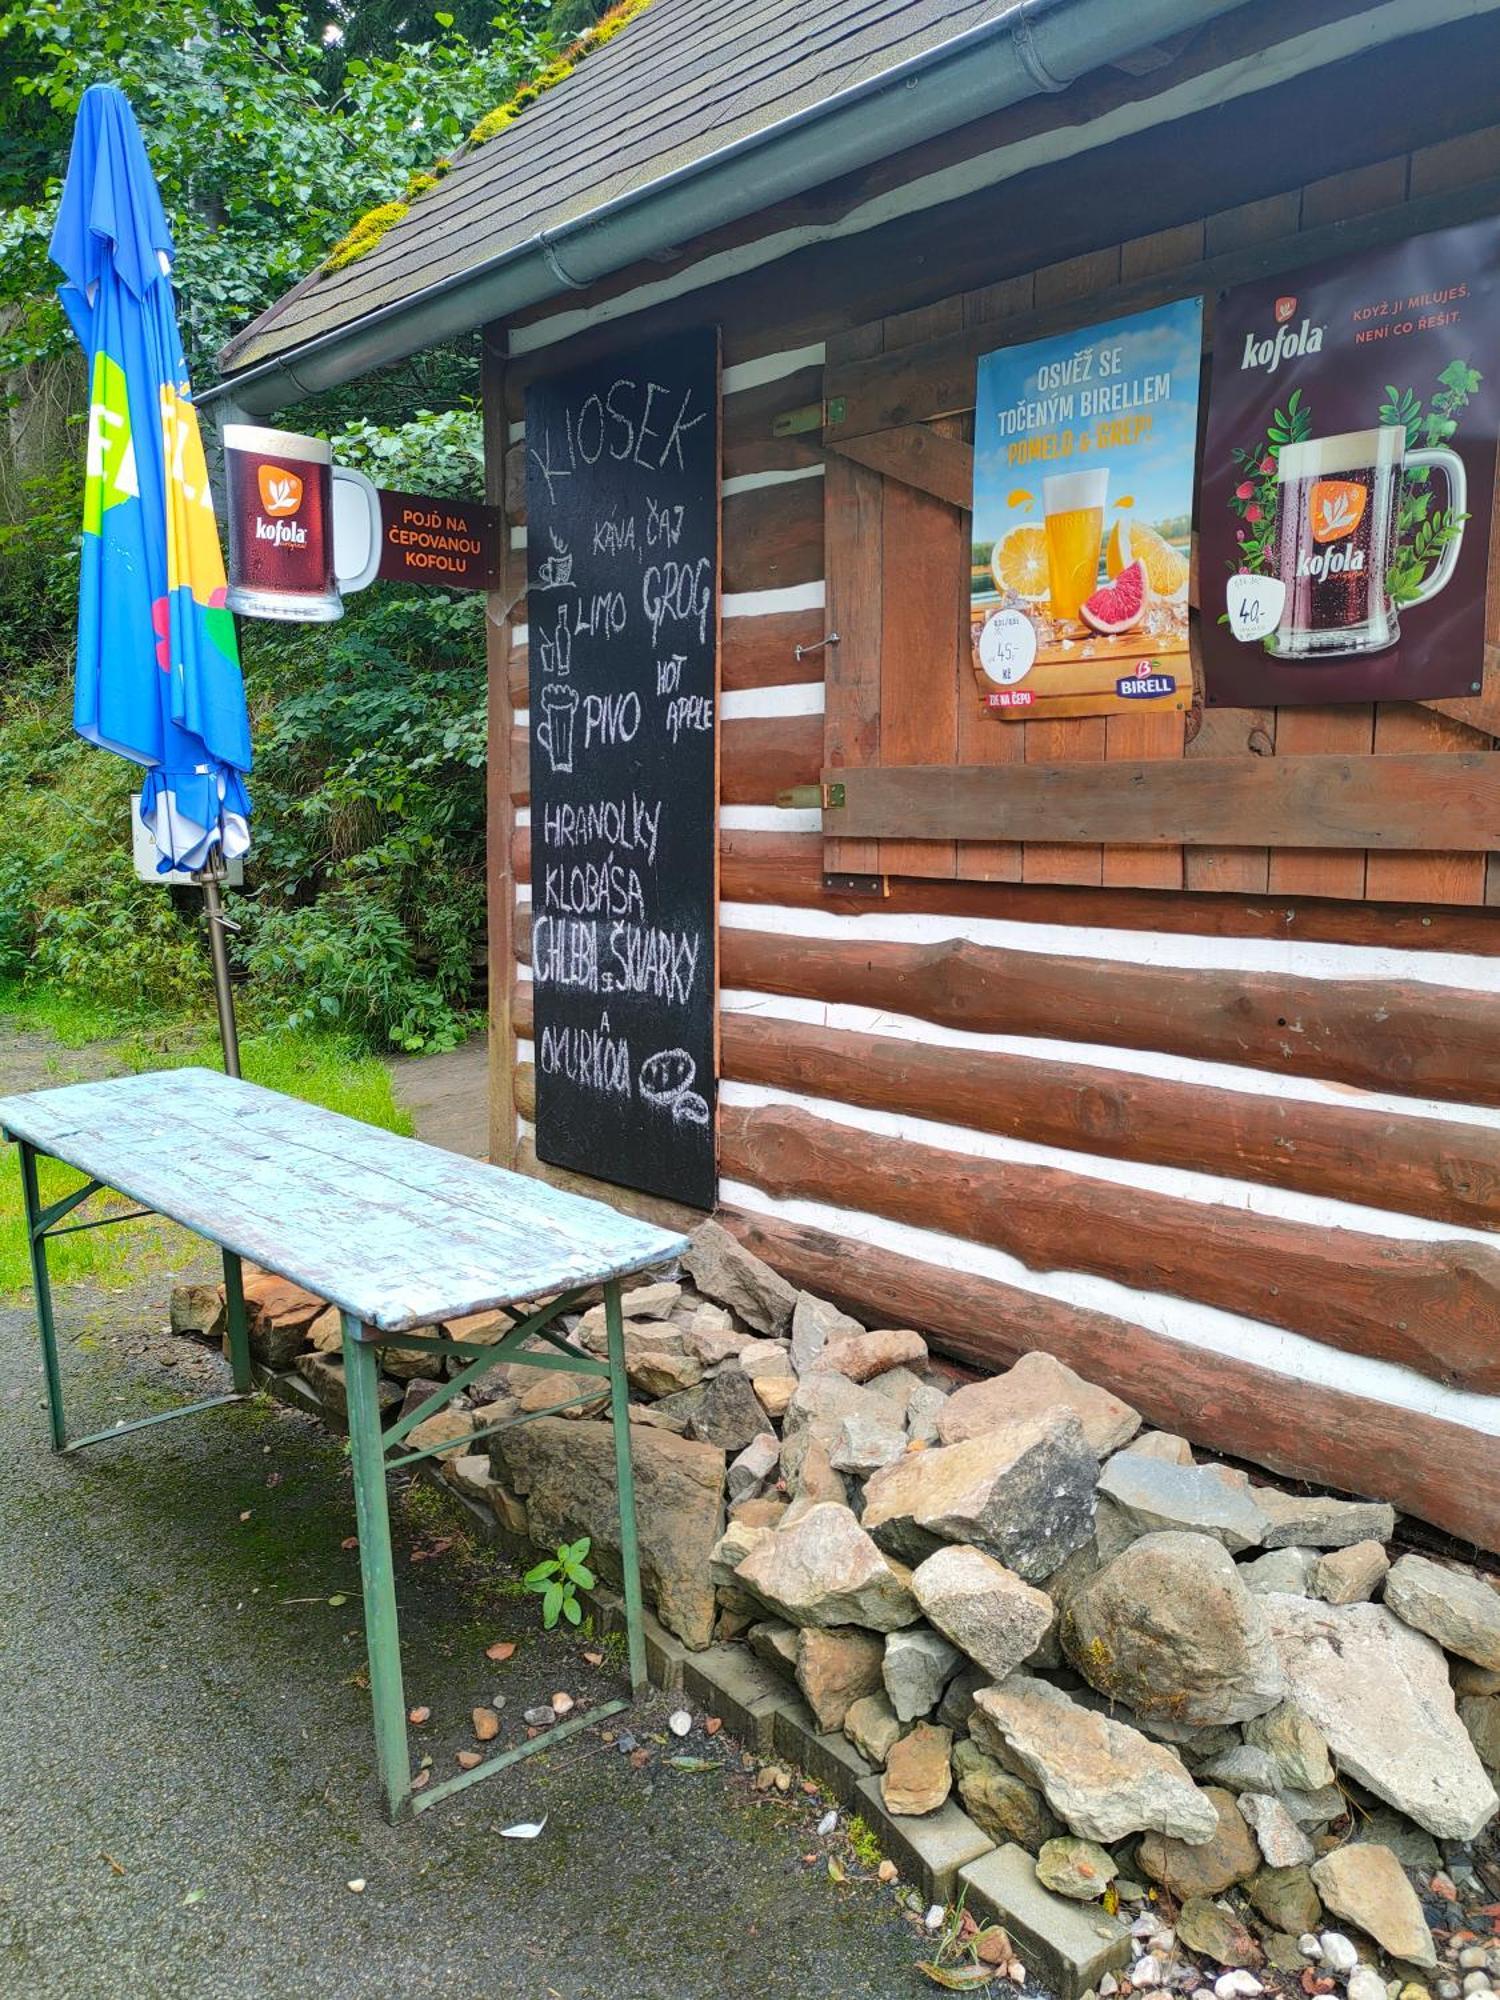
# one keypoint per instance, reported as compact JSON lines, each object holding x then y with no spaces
{"x":397,"y":1235}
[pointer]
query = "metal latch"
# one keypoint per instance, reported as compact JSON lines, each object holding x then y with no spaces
{"x":811,"y":417}
{"x":827,"y":798}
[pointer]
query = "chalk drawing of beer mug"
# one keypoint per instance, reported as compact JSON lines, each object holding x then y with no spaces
{"x":556,"y":729}
{"x":1338,"y":512}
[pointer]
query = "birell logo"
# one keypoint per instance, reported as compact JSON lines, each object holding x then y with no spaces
{"x":1287,"y":341}
{"x":1146,"y":683}
{"x":280,"y":495}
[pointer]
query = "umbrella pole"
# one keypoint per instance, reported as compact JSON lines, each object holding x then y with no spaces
{"x":229,"y":1033}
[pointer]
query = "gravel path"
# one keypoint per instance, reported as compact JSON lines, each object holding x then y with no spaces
{"x":186,"y":1765}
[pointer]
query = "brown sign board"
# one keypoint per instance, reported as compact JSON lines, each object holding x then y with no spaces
{"x":454,"y":543}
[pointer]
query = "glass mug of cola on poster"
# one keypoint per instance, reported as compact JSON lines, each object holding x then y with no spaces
{"x":1338,"y":504}
{"x":1073,"y":514}
{"x":282,"y":506}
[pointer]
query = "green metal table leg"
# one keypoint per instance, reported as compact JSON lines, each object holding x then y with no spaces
{"x":382,"y":1631}
{"x":630,"y":1562}
{"x":239,"y":1333}
{"x":36,"y":1243}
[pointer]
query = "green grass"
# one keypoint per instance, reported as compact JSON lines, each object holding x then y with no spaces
{"x":319,"y":1069}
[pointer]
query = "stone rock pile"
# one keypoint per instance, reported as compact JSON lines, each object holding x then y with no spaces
{"x":1158,"y":1687}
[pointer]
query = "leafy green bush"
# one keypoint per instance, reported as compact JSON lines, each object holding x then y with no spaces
{"x":364,"y":898}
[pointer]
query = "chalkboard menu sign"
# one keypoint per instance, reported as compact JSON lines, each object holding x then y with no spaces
{"x":622,"y":563}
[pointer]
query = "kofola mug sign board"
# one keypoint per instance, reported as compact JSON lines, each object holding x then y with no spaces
{"x":1348,"y":477}
{"x":622,"y":559}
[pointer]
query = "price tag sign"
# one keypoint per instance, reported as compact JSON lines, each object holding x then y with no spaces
{"x":1007,"y":647}
{"x":1254,"y":604}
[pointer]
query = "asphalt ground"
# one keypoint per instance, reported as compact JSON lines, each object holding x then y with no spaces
{"x":187,"y":1779}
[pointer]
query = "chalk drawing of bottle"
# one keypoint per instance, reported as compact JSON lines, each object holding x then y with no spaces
{"x":556,"y":648}
{"x":555,"y":730}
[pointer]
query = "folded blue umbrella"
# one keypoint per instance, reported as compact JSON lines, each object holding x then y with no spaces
{"x":158,"y":676}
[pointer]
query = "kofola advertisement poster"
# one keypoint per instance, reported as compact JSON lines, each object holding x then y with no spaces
{"x":1083,"y":493}
{"x":1348,"y":475}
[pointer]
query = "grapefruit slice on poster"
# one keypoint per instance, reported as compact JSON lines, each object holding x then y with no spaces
{"x":1118,"y":606}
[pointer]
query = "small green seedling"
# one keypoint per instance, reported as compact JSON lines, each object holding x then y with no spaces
{"x":559,"y":1580}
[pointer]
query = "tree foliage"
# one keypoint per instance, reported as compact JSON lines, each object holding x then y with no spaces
{"x":271,"y":127}
{"x":270,"y":130}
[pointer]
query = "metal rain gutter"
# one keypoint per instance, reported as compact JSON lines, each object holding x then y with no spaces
{"x":1038,"y":46}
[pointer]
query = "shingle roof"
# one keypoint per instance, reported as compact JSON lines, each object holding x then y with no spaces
{"x":682,"y":80}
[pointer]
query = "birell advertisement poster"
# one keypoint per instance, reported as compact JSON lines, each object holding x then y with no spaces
{"x":1348,"y":475}
{"x":1083,"y":491}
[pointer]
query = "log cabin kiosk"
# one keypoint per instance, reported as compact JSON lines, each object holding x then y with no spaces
{"x":1166,"y":1038}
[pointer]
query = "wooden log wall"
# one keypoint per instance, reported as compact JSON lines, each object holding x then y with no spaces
{"x":1225,"y":1135}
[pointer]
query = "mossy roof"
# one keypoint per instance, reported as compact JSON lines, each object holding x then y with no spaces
{"x":683,"y":78}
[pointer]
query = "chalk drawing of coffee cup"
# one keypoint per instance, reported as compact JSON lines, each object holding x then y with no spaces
{"x":555,"y":730}
{"x":555,"y":572}
{"x":666,"y":1081}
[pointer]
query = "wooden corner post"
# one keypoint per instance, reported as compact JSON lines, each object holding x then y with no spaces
{"x":500,"y":605}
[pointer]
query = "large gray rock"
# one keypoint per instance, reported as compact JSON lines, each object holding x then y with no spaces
{"x":1480,"y":1715}
{"x":1037,"y":1383}
{"x":1314,"y":1521}
{"x":756,"y":1464}
{"x":1455,"y":1607}
{"x":724,"y":1271}
{"x":728,"y":1414}
{"x":864,"y":1447}
{"x":836,"y":1668}
{"x":1281,"y":1841}
{"x":1024,"y":1492}
{"x":918,"y":1665}
{"x":817,"y":1411}
{"x":814,"y":1323}
{"x":1155,"y":1496}
{"x":566,"y":1474}
{"x":1169,"y":1629}
{"x":1368,"y":1886}
{"x":1287,"y":1571}
{"x":1295,"y":1745}
{"x":924,"y":1409}
{"x":988,"y":1611}
{"x":825,"y":1570}
{"x":1379,"y":1692}
{"x":999,"y":1803}
{"x":863,"y":1356}
{"x":918,"y":1771}
{"x":1102,"y":1778}
{"x":873,"y":1727}
{"x":775,"y":1643}
{"x":1351,"y":1575}
{"x":1205,"y":1867}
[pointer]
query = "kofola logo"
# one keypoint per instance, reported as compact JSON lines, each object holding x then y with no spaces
{"x":280,"y":495}
{"x":1336,"y":508}
{"x":1286,"y":342}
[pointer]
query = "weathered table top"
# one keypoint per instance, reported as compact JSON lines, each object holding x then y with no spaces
{"x":394,"y":1231}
